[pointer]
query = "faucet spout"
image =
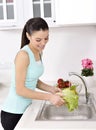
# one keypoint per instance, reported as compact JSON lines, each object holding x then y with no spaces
{"x":84,"y":83}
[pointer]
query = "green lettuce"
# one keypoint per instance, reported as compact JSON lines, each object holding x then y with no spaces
{"x":71,"y":97}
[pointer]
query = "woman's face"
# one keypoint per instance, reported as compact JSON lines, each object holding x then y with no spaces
{"x":38,"y":39}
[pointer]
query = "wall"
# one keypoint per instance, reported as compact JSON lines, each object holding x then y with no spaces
{"x":66,"y":48}
{"x":63,"y":53}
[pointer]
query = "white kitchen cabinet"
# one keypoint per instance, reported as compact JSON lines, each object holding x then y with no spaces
{"x":7,"y":12}
{"x":14,"y":13}
{"x":40,"y":8}
{"x":75,"y":12}
{"x":11,"y":14}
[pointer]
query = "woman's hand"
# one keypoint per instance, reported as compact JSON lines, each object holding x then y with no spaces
{"x":57,"y":96}
{"x":56,"y":99}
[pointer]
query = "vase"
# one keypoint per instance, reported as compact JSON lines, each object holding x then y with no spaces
{"x":90,"y":81}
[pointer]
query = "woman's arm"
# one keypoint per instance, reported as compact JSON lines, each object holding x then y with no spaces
{"x":46,"y":87}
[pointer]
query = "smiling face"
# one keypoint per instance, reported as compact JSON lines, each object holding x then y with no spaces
{"x":38,"y":39}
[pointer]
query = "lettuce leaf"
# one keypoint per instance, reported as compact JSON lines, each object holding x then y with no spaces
{"x":71,"y":97}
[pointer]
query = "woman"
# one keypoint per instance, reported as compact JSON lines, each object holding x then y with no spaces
{"x":27,"y":69}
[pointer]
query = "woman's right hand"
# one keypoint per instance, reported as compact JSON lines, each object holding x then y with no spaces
{"x":56,"y":99}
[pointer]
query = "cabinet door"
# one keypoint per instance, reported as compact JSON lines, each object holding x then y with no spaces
{"x":7,"y":12}
{"x":75,"y":11}
{"x":44,"y":9}
{"x":40,"y":8}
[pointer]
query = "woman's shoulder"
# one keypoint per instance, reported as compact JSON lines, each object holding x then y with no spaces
{"x":22,"y":55}
{"x":23,"y":52}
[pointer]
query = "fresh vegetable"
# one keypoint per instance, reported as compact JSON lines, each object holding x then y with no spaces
{"x":70,"y":94}
{"x":71,"y":97}
{"x":63,"y":84}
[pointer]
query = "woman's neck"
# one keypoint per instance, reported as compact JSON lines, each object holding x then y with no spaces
{"x":33,"y":50}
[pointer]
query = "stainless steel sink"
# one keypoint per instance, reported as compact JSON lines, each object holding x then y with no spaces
{"x":49,"y":112}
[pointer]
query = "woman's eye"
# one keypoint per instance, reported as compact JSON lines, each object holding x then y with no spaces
{"x":38,"y":40}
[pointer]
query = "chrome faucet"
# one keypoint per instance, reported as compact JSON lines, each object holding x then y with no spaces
{"x":84,"y":83}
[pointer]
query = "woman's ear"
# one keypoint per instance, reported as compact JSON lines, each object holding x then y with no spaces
{"x":28,"y":36}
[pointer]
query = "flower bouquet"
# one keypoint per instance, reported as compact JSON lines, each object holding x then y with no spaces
{"x":87,"y":70}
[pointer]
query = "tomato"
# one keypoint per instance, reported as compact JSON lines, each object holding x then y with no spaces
{"x":60,"y":80}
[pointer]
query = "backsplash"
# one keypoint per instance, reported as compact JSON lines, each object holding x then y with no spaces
{"x":63,"y":53}
{"x":66,"y":48}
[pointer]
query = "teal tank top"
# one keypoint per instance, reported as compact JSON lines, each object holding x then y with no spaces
{"x":18,"y":104}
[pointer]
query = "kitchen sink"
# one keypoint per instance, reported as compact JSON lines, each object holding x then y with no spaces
{"x":85,"y":111}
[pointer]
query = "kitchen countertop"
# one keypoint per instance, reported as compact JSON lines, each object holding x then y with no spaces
{"x":28,"y":120}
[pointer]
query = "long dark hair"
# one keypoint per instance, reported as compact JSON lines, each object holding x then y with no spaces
{"x":33,"y":24}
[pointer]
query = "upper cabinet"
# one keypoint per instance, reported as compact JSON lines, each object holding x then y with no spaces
{"x":40,"y":8}
{"x":11,"y":13}
{"x":14,"y":13}
{"x":7,"y":12}
{"x":75,"y":12}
